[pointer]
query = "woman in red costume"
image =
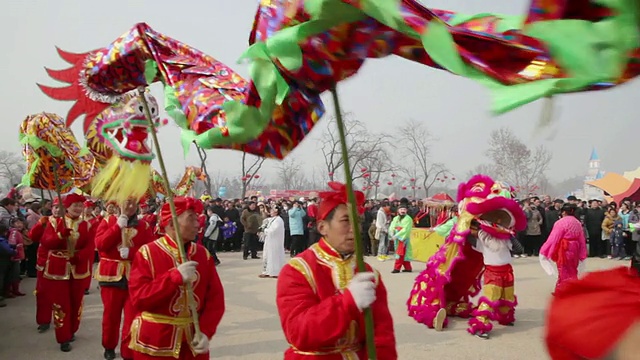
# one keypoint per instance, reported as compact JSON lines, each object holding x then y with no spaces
{"x":566,"y":246}
{"x":163,"y":327}
{"x":69,"y":247}
{"x":321,"y":296}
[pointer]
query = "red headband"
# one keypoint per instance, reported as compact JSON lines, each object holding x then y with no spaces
{"x":72,"y":199}
{"x":182,"y":204}
{"x":331,"y":199}
{"x":89,"y":204}
{"x":600,"y":302}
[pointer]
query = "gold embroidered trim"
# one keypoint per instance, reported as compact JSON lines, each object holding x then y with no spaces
{"x":303,"y":268}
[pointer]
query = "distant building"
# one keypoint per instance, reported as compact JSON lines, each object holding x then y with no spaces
{"x":594,"y":172}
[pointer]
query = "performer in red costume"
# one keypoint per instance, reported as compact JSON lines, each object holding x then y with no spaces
{"x":43,"y":300}
{"x":118,"y":240}
{"x":67,"y":268}
{"x":148,"y":214}
{"x":163,"y":326}
{"x":320,"y":295}
{"x":596,"y":317}
{"x":89,"y":216}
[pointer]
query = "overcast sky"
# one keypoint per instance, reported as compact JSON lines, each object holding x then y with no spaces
{"x":384,"y":92}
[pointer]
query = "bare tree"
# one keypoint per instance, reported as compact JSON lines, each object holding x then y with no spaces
{"x":290,"y":174}
{"x":417,"y":141}
{"x":250,"y":170}
{"x":484,"y":169}
{"x":363,"y":148}
{"x":12,"y":168}
{"x":514,"y":162}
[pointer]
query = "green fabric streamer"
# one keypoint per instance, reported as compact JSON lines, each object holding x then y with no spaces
{"x":150,"y":71}
{"x":590,"y":52}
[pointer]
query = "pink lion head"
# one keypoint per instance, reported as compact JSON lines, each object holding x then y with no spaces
{"x":491,"y":204}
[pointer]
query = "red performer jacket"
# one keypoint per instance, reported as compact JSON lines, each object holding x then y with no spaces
{"x":35,"y":234}
{"x":151,"y":219}
{"x":162,"y":324}
{"x":110,"y":238}
{"x":318,"y":314}
{"x":60,"y":264}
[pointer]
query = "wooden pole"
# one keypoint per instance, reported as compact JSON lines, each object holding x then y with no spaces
{"x":70,"y":245}
{"x":174,"y":214}
{"x":353,"y":214}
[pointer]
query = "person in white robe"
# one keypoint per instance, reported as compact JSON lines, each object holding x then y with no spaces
{"x":273,"y":253}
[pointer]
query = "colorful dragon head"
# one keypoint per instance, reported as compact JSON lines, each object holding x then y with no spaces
{"x":489,"y":203}
{"x":122,"y":129}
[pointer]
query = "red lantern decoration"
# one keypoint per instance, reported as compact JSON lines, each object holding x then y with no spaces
{"x":413,"y":187}
{"x":393,"y":175}
{"x":330,"y":174}
{"x":389,"y":183}
{"x":366,"y":175}
{"x":412,"y":180}
{"x":404,"y":188}
{"x":256,"y":176}
{"x":363,"y":169}
{"x":244,"y":178}
{"x":445,"y":176}
{"x":453,"y":178}
{"x":437,"y":179}
{"x":442,"y":180}
{"x":419,"y":187}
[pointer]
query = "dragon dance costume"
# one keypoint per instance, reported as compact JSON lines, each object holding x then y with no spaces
{"x":478,"y":241}
{"x":319,"y":316}
{"x":69,"y":247}
{"x":118,"y":243}
{"x":162,"y":326}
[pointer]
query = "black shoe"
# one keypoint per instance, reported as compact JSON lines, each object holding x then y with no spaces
{"x":510,"y":324}
{"x":394,"y":271}
{"x":245,"y":257}
{"x":405,"y":270}
{"x":65,"y":347}
{"x":216,"y":263}
{"x":255,"y":257}
{"x":86,"y":292}
{"x":73,"y":338}
{"x":482,"y":335}
{"x":2,"y":303}
{"x":43,"y":328}
{"x":109,"y":354}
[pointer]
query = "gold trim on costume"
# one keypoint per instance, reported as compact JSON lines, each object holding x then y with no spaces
{"x":67,"y":272}
{"x":123,"y":269}
{"x":303,"y":268}
{"x":180,"y":325}
{"x":58,"y":316}
{"x":342,"y":270}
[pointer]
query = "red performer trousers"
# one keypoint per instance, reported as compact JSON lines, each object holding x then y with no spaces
{"x":115,"y":301}
{"x":43,"y":302}
{"x":66,"y":297}
{"x":185,"y":354}
{"x":400,"y":254}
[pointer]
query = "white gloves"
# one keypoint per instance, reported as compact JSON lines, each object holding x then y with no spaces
{"x":122,"y":221}
{"x":188,"y":271}
{"x":363,"y":289}
{"x":201,"y":344}
{"x":124,"y":252}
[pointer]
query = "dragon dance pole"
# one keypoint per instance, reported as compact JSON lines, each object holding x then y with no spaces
{"x":353,"y":214}
{"x":174,"y":214}
{"x":70,"y":246}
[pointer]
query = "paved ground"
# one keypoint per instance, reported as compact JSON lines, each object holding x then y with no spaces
{"x":250,"y":328}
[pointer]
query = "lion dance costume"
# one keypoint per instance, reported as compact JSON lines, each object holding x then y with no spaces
{"x":487,"y":217}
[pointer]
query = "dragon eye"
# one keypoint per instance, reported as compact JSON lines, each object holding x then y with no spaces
{"x":141,"y":108}
{"x":223,"y":72}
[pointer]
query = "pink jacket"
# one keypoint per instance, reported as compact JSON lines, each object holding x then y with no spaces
{"x":569,"y":229}
{"x":15,"y":238}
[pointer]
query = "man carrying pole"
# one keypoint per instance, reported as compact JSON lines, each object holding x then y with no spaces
{"x":321,"y":295}
{"x":67,"y":268}
{"x":118,"y":240}
{"x":163,"y":325}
